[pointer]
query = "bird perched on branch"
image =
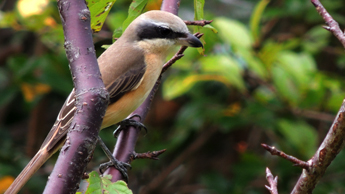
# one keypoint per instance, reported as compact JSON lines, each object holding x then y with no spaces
{"x":129,"y":68}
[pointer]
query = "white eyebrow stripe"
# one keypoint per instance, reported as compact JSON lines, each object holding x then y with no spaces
{"x":162,"y":24}
{"x":156,"y":22}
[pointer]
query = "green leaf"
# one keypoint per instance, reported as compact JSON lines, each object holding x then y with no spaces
{"x":301,"y":67}
{"x":285,"y":85}
{"x":316,"y":94}
{"x":256,"y":17}
{"x":119,"y":187}
{"x":226,"y":67}
{"x":316,"y":39}
{"x":264,"y":95}
{"x":7,"y":19}
{"x":335,"y":101}
{"x":98,"y":185}
{"x":199,"y":9}
{"x":199,"y":15}
{"x":177,"y":85}
{"x":135,"y":9}
{"x":336,"y":92}
{"x":208,"y":26}
{"x":115,"y":21}
{"x":99,"y":10}
{"x":233,"y":32}
{"x":219,"y":68}
{"x":106,"y":46}
{"x":213,"y":68}
{"x":300,"y":135}
{"x":254,"y":63}
{"x":94,"y":181}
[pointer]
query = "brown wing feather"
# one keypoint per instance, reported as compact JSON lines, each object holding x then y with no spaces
{"x":118,"y":80}
{"x":125,"y":83}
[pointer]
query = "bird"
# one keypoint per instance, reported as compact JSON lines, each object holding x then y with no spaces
{"x":129,"y":69}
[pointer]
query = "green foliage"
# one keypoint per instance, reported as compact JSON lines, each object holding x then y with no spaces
{"x":233,"y":32}
{"x":296,"y":133}
{"x":98,"y":185}
{"x":135,"y":9}
{"x":258,"y":74}
{"x":199,"y":9}
{"x":99,"y":10}
{"x":256,"y":18}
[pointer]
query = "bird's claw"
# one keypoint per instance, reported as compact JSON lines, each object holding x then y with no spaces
{"x":120,"y":166}
{"x":129,"y":122}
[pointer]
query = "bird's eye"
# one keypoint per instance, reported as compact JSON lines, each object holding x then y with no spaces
{"x":164,"y":31}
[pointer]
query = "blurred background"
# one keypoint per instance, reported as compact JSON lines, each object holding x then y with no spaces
{"x":271,"y":74}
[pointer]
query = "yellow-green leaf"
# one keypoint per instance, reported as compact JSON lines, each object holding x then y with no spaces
{"x":225,"y":66}
{"x":98,"y":185}
{"x":99,"y":10}
{"x":135,"y":9}
{"x":256,"y":17}
{"x":233,"y":32}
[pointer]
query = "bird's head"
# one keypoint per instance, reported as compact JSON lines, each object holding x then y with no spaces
{"x":158,"y":31}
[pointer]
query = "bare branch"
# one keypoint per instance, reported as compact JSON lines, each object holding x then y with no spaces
{"x":332,"y":25}
{"x":198,"y":22}
{"x":171,"y":6}
{"x":328,"y":150}
{"x":148,"y":155}
{"x":273,"y":181}
{"x":334,"y":140}
{"x":295,"y":161}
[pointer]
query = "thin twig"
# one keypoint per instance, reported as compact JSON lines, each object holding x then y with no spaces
{"x":198,"y":22}
{"x":332,"y":25}
{"x":273,"y":181}
{"x":294,"y":160}
{"x":147,"y":155}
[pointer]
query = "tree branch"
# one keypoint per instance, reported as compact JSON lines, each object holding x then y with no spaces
{"x":332,"y":25}
{"x":328,"y":150}
{"x":334,"y":140}
{"x":171,"y":6}
{"x":316,"y":167}
{"x":273,"y":181}
{"x":147,"y":155}
{"x":198,"y":23}
{"x":294,"y":160}
{"x":91,"y":99}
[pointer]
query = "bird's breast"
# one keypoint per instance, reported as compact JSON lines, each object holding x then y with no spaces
{"x":119,"y":110}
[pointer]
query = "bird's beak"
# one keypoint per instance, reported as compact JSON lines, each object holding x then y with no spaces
{"x":190,"y":40}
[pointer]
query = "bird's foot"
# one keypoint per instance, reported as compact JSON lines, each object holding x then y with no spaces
{"x":129,"y":122}
{"x":120,"y":166}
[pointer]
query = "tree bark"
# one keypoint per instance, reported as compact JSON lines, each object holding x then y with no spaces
{"x":91,"y":99}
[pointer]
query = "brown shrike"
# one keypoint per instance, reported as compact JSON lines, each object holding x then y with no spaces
{"x":129,"y":67}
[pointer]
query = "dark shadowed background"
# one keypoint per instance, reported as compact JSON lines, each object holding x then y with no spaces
{"x":271,"y":75}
